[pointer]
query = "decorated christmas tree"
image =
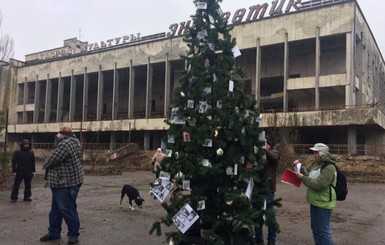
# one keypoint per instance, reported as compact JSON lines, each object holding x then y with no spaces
{"x":213,"y":172}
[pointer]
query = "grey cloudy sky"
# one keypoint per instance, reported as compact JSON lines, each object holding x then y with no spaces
{"x":39,"y":25}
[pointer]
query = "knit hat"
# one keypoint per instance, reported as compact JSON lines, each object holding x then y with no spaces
{"x":25,"y":142}
{"x":320,"y":147}
{"x":66,"y":131}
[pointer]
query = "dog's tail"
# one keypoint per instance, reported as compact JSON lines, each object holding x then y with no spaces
{"x":122,"y":195}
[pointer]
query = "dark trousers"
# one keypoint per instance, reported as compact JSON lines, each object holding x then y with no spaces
{"x":272,"y":233}
{"x":27,"y":177}
{"x":64,"y":206}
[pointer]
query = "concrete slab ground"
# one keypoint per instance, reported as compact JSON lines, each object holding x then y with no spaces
{"x":358,"y":220}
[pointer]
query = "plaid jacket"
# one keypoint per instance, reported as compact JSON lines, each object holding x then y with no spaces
{"x":64,"y":167}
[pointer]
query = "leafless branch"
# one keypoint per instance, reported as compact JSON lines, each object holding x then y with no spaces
{"x":6,"y":45}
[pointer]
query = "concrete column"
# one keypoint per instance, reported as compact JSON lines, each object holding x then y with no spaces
{"x":47,"y":112}
{"x":99,"y":107}
{"x":113,"y":141}
{"x":72,"y":97}
{"x":258,"y":73}
{"x":37,"y":101}
{"x":59,"y":108}
{"x":25,"y":100}
{"x":149,"y":88}
{"x":131,"y":89}
{"x":352,"y":139}
{"x":286,"y":73}
{"x":146,"y":140}
{"x":115,"y":94}
{"x":349,"y":89}
{"x":167,"y":86}
{"x":317,"y":67}
{"x":85,"y":95}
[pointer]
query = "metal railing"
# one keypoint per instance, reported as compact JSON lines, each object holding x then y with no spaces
{"x":343,"y":149}
{"x":86,"y":146}
{"x":300,"y":149}
{"x":323,"y":108}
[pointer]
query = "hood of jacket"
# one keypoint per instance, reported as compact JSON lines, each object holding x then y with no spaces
{"x":25,"y":142}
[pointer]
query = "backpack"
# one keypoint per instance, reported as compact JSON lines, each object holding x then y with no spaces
{"x":341,"y":187}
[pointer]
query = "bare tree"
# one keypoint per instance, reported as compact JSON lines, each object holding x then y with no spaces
{"x":6,"y":45}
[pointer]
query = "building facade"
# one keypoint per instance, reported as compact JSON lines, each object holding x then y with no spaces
{"x":314,"y":68}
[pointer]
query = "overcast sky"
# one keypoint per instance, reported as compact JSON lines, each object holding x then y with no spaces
{"x":39,"y":25}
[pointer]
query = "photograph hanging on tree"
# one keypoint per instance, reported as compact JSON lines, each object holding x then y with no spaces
{"x":162,"y":190}
{"x":185,"y":218}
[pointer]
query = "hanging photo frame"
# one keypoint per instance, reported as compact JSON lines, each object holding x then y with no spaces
{"x":208,"y":143}
{"x":201,"y":5}
{"x":171,"y":138}
{"x":202,"y":108}
{"x":185,"y":218}
{"x":190,"y":104}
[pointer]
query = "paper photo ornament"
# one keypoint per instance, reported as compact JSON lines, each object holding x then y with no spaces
{"x":201,"y":5}
{"x":186,"y":184}
{"x":171,"y":138}
{"x":211,"y":46}
{"x":186,"y":137}
{"x":236,"y":52}
{"x":229,"y":170}
{"x":185,"y":218}
{"x":215,"y":78}
{"x":202,"y":34}
{"x":201,"y":205}
{"x":211,"y":18}
{"x":190,"y":104}
{"x":256,"y":149}
{"x":231,"y":86}
{"x":207,"y":63}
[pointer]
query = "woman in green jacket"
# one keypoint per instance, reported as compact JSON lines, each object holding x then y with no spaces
{"x":319,"y":177}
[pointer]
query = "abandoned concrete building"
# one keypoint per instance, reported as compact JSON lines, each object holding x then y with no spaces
{"x":314,"y":67}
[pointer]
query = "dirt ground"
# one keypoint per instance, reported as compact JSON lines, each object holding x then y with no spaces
{"x":358,"y":220}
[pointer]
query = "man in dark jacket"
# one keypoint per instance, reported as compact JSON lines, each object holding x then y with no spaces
{"x":270,"y":170}
{"x":23,"y":168}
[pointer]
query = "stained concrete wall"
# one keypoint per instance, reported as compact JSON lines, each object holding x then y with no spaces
{"x":331,"y":20}
{"x":364,"y":116}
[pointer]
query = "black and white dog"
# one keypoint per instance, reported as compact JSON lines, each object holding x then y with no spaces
{"x":132,"y":194}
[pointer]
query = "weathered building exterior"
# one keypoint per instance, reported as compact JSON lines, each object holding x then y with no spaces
{"x":314,"y":67}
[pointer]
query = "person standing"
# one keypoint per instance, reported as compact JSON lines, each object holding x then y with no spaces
{"x":156,"y":159}
{"x":23,"y":168}
{"x":64,"y":175}
{"x":318,"y":178}
{"x":270,"y":170}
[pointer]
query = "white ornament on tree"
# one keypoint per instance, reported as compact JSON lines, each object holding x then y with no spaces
{"x":220,"y":152}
